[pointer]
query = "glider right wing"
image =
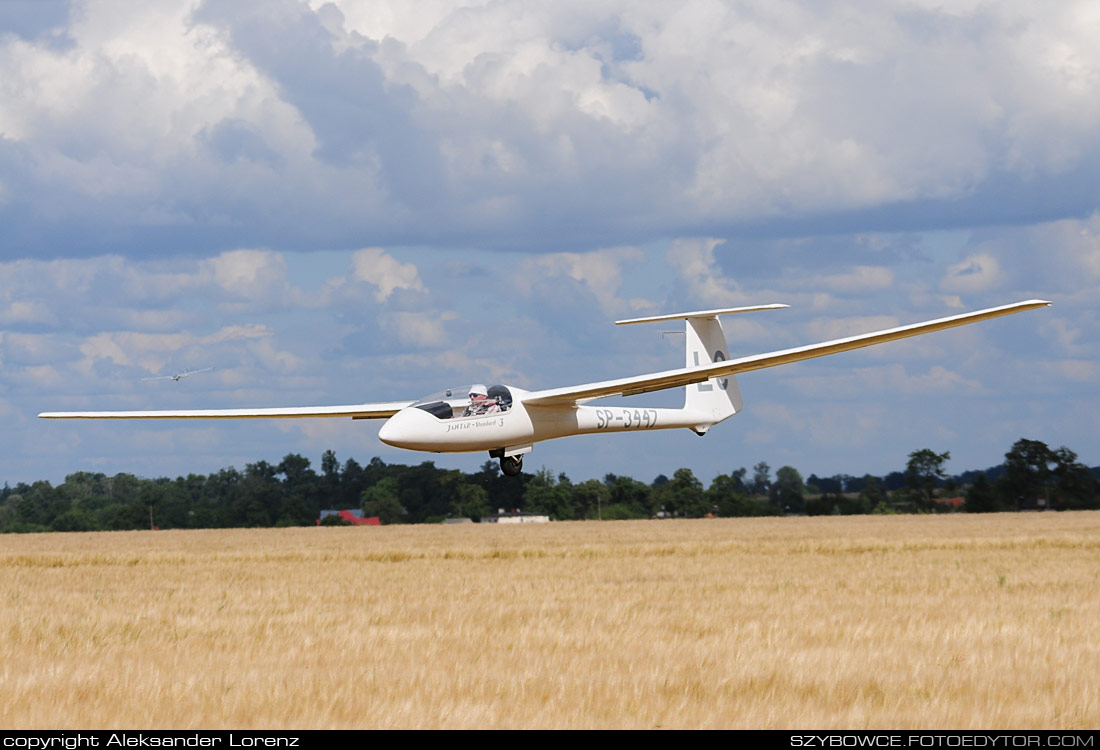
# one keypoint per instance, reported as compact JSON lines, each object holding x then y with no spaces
{"x":685,"y":376}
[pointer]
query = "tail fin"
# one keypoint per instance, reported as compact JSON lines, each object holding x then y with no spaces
{"x":717,"y":399}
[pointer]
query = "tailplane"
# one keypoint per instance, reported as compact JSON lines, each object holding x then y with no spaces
{"x":716,"y":399}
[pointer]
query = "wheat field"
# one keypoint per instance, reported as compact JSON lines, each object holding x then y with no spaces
{"x":862,"y":622}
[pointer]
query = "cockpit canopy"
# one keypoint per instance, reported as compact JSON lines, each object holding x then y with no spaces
{"x":467,"y":401}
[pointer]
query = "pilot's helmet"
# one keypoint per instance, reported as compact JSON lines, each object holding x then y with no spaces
{"x":479,"y":390}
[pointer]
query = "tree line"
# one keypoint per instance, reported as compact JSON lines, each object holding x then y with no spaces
{"x":291,"y":493}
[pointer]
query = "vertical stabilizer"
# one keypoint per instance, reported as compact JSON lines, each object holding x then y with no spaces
{"x":718,"y":398}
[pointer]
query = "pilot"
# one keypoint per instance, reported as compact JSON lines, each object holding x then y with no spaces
{"x":480,"y":402}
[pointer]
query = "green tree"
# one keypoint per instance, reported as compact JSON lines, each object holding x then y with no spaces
{"x":470,"y":501}
{"x":627,"y":498}
{"x":923,"y":472}
{"x":873,"y":495}
{"x":590,"y":498}
{"x":1036,"y":476}
{"x":381,"y":500}
{"x":787,"y":492}
{"x":682,"y":496}
{"x":1076,"y":488}
{"x":761,"y":479}
{"x":75,"y":520}
{"x":257,"y":500}
{"x":545,"y":494}
{"x":729,"y":495}
{"x":980,"y":497}
{"x":295,"y":511}
{"x":296,"y":469}
{"x":330,"y":467}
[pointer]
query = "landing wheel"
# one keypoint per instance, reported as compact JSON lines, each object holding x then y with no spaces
{"x":511,"y":465}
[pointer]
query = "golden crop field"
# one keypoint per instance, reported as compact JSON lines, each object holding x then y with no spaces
{"x":926,"y":622}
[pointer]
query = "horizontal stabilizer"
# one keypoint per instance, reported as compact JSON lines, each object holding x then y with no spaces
{"x":700,"y":314}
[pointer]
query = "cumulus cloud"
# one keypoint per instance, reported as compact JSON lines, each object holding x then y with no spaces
{"x":858,"y":279}
{"x":307,"y":125}
{"x":247,"y":274}
{"x":598,"y":271}
{"x":417,"y":329}
{"x":1070,"y":247}
{"x":886,"y":379}
{"x":1074,"y":370}
{"x":150,"y":351}
{"x":237,"y":332}
{"x":693,"y":260}
{"x":273,"y":358}
{"x":976,"y":273}
{"x":21,"y":311}
{"x":375,"y":266}
{"x":825,"y":329}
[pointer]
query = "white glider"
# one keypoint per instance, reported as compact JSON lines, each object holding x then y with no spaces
{"x":185,"y":373}
{"x":507,"y":421}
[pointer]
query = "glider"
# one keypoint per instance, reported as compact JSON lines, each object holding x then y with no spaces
{"x":507,"y":421}
{"x":185,"y":373}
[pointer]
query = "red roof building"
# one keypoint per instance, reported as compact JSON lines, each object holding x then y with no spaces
{"x":355,"y":517}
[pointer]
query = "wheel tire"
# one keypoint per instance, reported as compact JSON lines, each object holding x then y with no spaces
{"x":511,"y":465}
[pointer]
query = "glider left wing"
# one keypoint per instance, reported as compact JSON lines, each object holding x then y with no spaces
{"x":685,"y":376}
{"x":354,"y":411}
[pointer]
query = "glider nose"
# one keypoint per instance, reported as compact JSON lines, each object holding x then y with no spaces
{"x":389,"y":432}
{"x":403,"y":429}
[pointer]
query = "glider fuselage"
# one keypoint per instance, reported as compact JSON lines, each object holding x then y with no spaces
{"x":520,"y":425}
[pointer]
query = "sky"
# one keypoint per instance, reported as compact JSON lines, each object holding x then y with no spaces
{"x":361,"y":200}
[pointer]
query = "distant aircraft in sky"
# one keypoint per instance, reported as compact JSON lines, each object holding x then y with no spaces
{"x":507,"y":421}
{"x":180,"y":375}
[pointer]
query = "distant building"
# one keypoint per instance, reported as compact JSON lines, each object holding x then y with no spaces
{"x":355,"y":517}
{"x":516,"y":516}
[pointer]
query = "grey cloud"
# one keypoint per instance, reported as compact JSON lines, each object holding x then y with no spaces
{"x":234,"y":139}
{"x":358,"y":117}
{"x":35,"y":20}
{"x":559,"y":129}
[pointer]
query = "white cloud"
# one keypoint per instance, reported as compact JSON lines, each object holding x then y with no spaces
{"x":1072,"y":246}
{"x":41,"y":376}
{"x":886,"y":379}
{"x":977,"y":273}
{"x":375,"y":266}
{"x":1078,"y":370}
{"x":826,"y":329}
{"x":487,"y":117}
{"x":237,"y":332}
{"x":599,"y":271}
{"x":150,"y":351}
{"x":33,"y":348}
{"x":145,"y":295}
{"x":419,"y":329}
{"x":858,"y":279}
{"x":693,"y":260}
{"x":30,"y":311}
{"x":274,"y":359}
{"x":248,"y":274}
